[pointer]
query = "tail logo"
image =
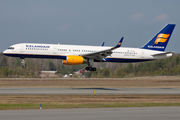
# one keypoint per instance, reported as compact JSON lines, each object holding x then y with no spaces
{"x":161,"y":38}
{"x":119,"y":43}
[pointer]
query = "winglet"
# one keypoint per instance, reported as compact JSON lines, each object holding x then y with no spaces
{"x":119,"y":44}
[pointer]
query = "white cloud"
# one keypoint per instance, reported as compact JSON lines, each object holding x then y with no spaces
{"x":161,"y":17}
{"x":136,"y":16}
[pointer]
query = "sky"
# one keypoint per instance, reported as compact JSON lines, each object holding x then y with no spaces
{"x":87,"y":22}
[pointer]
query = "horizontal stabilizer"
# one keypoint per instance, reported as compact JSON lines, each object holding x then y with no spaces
{"x":165,"y":53}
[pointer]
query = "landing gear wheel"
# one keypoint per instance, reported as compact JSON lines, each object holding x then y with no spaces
{"x":87,"y":68}
{"x":23,"y":66}
{"x":90,"y":68}
{"x":23,"y":62}
{"x":93,"y":69}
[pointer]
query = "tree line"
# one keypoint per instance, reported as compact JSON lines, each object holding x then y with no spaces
{"x":12,"y":67}
{"x":163,"y":67}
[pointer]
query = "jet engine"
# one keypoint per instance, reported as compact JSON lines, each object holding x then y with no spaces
{"x":74,"y":60}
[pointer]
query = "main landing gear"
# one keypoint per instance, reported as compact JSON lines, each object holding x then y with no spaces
{"x":90,"y":64}
{"x":23,"y":62}
{"x":91,"y":68}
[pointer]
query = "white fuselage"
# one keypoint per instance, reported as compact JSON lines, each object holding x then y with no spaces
{"x":59,"y":51}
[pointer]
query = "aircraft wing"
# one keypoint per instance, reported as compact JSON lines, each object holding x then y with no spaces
{"x":100,"y":55}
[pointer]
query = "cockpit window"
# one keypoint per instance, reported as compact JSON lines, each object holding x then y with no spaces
{"x":11,"y":48}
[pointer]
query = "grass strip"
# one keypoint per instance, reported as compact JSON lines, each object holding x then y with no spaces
{"x":85,"y":105}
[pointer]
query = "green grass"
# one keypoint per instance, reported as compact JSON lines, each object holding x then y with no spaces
{"x":86,"y":105}
{"x":18,"y":106}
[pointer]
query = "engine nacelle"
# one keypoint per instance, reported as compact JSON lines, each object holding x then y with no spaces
{"x":74,"y":60}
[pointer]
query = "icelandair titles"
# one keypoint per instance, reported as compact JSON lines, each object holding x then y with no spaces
{"x":161,"y":47}
{"x":37,"y":46}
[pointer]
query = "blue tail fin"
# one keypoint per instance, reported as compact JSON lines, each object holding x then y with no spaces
{"x":161,"y":39}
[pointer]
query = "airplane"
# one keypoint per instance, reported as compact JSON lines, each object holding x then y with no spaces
{"x":80,"y":54}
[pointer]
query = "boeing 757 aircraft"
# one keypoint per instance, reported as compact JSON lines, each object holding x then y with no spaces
{"x":80,"y":54}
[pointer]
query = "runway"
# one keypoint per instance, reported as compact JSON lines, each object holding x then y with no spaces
{"x":138,"y":113}
{"x":86,"y":91}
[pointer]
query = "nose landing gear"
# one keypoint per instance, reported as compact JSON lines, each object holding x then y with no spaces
{"x":23,"y":62}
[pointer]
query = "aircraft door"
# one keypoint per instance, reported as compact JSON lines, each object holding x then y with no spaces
{"x":55,"y":50}
{"x":22,"y":49}
{"x":142,"y":54}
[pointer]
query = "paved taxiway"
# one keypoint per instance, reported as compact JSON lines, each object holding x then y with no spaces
{"x":86,"y":91}
{"x":138,"y":113}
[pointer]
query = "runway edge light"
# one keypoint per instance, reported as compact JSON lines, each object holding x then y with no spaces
{"x":40,"y":106}
{"x":94,"y":92}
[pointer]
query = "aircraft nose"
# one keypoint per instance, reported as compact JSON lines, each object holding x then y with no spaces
{"x":4,"y":52}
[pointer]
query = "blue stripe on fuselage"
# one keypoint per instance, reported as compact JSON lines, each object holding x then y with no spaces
{"x":124,"y":60}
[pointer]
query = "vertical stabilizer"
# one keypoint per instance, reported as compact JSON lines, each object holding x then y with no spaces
{"x":161,"y":39}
